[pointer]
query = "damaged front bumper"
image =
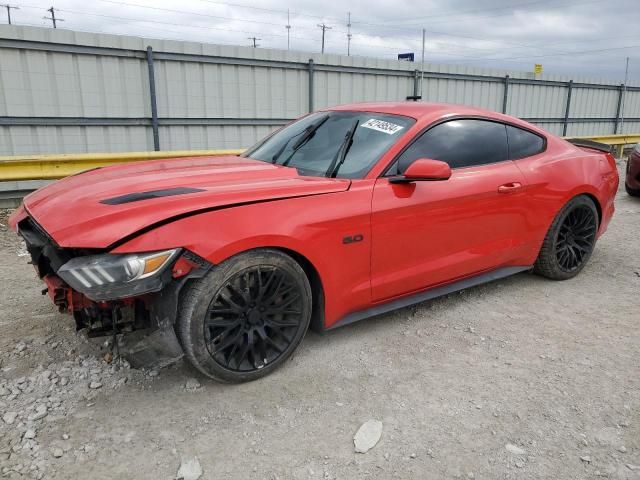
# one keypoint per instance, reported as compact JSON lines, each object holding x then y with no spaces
{"x":146,"y":312}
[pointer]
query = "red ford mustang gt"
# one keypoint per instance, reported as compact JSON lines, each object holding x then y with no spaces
{"x":344,"y":214}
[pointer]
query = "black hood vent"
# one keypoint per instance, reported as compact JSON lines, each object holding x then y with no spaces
{"x":139,"y":196}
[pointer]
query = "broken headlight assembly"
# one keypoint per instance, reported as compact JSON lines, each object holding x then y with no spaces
{"x":110,"y":276}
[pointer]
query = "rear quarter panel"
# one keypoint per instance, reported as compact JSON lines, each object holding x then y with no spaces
{"x":562,"y":172}
{"x":312,"y":226}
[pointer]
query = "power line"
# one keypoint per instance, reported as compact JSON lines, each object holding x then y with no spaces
{"x":255,"y":45}
{"x":115,"y":17}
{"x":324,"y":29}
{"x":183,"y":12}
{"x":458,"y":13}
{"x":53,"y":17}
{"x":198,"y":14}
{"x":9,"y":8}
{"x":600,"y":50}
{"x":490,"y":53}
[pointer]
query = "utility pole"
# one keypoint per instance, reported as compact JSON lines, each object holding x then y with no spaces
{"x":53,"y":17}
{"x":349,"y":34}
{"x":9,"y":7}
{"x":255,"y":45}
{"x":324,"y":28}
{"x":288,"y":28}
{"x":424,"y":34}
{"x":624,"y":94}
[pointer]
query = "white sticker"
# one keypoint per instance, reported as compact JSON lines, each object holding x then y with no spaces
{"x":382,"y":126}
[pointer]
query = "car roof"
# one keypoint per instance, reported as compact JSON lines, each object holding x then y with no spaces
{"x":431,"y":111}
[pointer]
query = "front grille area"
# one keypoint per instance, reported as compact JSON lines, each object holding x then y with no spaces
{"x":46,"y":255}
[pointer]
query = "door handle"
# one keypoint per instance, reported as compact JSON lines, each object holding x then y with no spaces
{"x":510,"y":187}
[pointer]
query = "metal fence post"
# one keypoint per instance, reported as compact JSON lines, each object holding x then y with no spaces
{"x":566,"y":110}
{"x":416,"y":79}
{"x":618,"y":109}
{"x":505,"y":94}
{"x":311,"y":85}
{"x":154,"y":105}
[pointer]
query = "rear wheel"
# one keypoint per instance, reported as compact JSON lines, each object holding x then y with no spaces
{"x":634,"y":192}
{"x":245,"y":317}
{"x":569,"y":241}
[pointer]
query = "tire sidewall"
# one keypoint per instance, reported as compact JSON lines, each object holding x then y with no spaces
{"x":209,"y":286}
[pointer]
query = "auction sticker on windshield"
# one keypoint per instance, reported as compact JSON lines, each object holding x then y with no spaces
{"x":382,"y":126}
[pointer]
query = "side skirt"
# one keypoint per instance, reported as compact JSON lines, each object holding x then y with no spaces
{"x":428,"y":295}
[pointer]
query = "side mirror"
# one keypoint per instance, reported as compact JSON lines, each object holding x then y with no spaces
{"x":424,"y":169}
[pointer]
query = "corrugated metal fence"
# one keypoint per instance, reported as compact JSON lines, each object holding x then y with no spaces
{"x":71,"y":92}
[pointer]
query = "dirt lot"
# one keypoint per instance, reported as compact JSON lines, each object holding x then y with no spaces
{"x":522,"y":378}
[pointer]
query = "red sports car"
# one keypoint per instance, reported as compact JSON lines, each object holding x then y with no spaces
{"x":632,"y":182}
{"x":343,"y":214}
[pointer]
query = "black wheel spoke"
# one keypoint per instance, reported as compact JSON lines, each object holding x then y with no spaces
{"x":232,"y":303}
{"x":221,"y":322}
{"x":253,"y":318}
{"x":226,"y":343}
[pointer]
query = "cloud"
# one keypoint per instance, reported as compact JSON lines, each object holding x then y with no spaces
{"x":581,"y":37}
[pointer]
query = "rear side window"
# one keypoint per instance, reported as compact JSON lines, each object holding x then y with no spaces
{"x":523,"y":143}
{"x":460,"y":143}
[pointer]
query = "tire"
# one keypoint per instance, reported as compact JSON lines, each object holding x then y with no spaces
{"x":634,"y":192}
{"x":244,"y":318}
{"x":563,"y":255}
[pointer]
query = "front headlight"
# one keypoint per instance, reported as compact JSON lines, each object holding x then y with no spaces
{"x":110,"y":276}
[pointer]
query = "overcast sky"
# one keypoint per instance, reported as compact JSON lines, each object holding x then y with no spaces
{"x":582,"y":37}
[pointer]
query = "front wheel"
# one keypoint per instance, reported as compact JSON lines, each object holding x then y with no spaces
{"x":569,"y":241}
{"x":246,"y":316}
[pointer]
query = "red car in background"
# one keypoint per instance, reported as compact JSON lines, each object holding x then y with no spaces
{"x":632,"y":181}
{"x":344,"y":214}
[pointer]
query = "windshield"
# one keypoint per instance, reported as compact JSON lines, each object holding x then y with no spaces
{"x":332,"y":144}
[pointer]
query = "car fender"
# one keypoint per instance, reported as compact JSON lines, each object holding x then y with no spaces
{"x":315,"y":228}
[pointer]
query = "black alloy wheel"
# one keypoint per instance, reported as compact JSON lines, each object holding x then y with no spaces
{"x":576,"y":238}
{"x":253,"y":318}
{"x":570,"y":240}
{"x":246,"y":316}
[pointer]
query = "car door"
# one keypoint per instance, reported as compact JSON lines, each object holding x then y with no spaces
{"x":427,"y":233}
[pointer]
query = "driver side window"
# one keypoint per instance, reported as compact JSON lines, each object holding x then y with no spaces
{"x":460,"y":143}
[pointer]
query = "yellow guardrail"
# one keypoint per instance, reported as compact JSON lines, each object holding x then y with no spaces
{"x":51,"y":167}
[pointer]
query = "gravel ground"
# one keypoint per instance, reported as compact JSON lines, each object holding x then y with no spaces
{"x":521,"y":378}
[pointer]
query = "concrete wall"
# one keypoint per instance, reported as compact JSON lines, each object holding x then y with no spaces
{"x":70,"y":92}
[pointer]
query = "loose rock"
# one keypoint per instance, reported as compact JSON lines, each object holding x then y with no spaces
{"x":57,"y":452}
{"x":95,"y":385}
{"x":41,"y":412}
{"x":367,"y":436}
{"x":190,"y":469}
{"x":586,"y":459}
{"x":511,"y":448}
{"x":192,"y":384}
{"x":9,"y":417}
